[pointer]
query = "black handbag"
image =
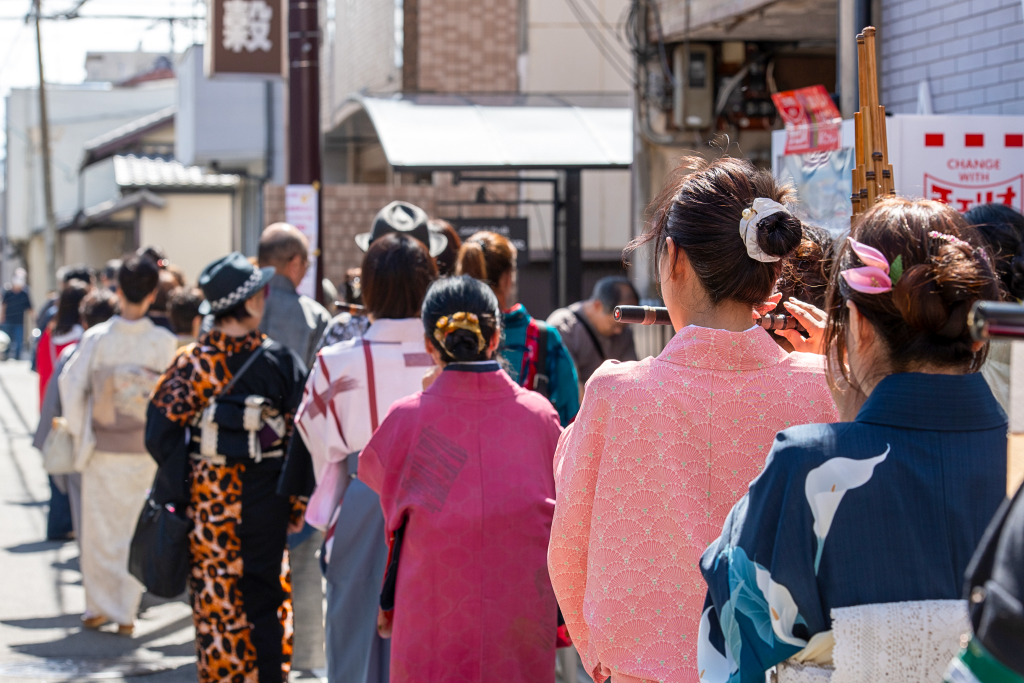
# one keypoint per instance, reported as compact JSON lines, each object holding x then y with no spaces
{"x":159,"y":557}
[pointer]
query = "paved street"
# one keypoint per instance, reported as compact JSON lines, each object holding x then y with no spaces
{"x":41,"y":596}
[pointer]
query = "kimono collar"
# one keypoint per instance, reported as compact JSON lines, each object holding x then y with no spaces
{"x":703,"y":347}
{"x":229,"y":346}
{"x":934,"y":403}
{"x":395,"y":331}
{"x":478,"y":367}
{"x":472,"y":380}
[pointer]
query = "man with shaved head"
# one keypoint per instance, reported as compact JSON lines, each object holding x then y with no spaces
{"x":291,"y":318}
{"x":297,"y":322}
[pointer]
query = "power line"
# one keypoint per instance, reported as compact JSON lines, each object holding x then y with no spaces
{"x":599,"y":42}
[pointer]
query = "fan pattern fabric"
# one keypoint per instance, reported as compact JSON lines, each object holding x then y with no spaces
{"x":660,"y":452}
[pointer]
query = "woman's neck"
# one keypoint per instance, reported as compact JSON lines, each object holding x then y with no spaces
{"x":868,"y":384}
{"x":731,"y":316}
{"x":233,"y":328}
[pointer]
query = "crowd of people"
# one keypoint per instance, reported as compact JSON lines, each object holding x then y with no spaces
{"x":479,"y":487}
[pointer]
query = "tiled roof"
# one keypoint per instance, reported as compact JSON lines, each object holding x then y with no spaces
{"x":133,"y":171}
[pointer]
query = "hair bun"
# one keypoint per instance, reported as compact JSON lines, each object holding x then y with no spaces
{"x":919,"y":300}
{"x":779,"y":234}
{"x":463,"y":346}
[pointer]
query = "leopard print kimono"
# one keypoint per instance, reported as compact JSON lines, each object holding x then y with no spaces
{"x":241,"y":594}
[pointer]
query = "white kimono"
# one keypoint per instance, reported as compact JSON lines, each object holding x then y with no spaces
{"x":105,"y":389}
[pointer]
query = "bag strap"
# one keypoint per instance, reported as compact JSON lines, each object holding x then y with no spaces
{"x":590,"y":333}
{"x":371,"y":385}
{"x":245,"y":366}
{"x":541,"y":380}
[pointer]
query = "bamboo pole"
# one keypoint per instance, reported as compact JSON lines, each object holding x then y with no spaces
{"x":873,"y":178}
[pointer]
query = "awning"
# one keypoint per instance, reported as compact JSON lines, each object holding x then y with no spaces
{"x":753,"y":20}
{"x":452,"y":133}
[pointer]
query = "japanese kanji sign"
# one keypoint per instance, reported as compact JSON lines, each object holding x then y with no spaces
{"x":247,"y":37}
{"x":962,"y":161}
{"x":811,"y":118}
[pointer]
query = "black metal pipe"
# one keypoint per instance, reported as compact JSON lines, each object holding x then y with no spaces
{"x":996,"y":320}
{"x":656,"y":315}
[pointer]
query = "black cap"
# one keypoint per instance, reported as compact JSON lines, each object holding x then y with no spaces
{"x":407,"y":219}
{"x":231,"y":280}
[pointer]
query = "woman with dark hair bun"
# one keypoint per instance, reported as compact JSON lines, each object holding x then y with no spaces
{"x":662,"y":448}
{"x":887,"y":508}
{"x":463,"y":470}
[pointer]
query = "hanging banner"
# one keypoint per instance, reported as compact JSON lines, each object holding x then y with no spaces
{"x":301,"y":209}
{"x":247,"y":37}
{"x":813,"y":123}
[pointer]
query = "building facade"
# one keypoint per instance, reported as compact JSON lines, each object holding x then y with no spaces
{"x":952,"y":57}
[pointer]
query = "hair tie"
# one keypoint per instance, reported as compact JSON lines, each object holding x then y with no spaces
{"x":761,"y":208}
{"x":876,"y":276}
{"x":459,"y":321}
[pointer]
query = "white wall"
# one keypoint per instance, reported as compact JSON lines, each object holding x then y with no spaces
{"x":194,"y":229}
{"x":563,"y":58}
{"x":358,"y":53}
{"x":95,"y":247}
{"x":77,"y":115}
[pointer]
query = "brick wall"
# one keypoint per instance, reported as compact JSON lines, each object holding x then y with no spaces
{"x":971,"y":52}
{"x":349,"y":210}
{"x":467,"y":45}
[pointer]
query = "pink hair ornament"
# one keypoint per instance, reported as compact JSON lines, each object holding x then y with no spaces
{"x":876,"y":276}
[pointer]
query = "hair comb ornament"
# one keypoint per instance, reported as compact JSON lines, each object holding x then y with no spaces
{"x":761,"y":208}
{"x":876,"y":276}
{"x":459,"y":321}
{"x":955,"y":241}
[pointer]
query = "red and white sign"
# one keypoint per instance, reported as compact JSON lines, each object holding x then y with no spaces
{"x":962,"y":161}
{"x":301,"y":209}
{"x":811,"y":118}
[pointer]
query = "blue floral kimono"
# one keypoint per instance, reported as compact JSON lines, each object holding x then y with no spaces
{"x":887,"y":508}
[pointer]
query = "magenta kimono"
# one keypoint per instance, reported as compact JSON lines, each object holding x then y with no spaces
{"x":468,"y":463}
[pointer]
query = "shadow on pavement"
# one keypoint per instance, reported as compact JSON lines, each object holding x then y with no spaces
{"x":86,"y":643}
{"x":36,"y":547}
{"x":62,"y":621}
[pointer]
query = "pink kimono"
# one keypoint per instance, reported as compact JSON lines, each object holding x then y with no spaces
{"x":658,"y":455}
{"x":468,"y":464}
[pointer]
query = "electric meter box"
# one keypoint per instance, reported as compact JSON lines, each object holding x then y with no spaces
{"x":694,"y":101}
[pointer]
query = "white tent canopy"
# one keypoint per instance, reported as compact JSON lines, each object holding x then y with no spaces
{"x":456,"y":134}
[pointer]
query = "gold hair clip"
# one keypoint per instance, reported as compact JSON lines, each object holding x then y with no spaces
{"x":459,"y":321}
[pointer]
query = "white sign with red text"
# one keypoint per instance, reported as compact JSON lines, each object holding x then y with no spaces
{"x":301,"y":209}
{"x":962,"y":161}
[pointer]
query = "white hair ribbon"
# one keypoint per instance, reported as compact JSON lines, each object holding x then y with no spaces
{"x":761,"y":208}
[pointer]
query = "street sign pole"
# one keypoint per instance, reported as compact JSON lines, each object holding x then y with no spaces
{"x":304,"y":165}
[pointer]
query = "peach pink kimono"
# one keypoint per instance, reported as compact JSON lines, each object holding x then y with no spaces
{"x":660,"y":452}
{"x":468,"y":464}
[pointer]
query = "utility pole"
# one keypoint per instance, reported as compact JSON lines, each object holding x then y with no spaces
{"x":44,"y":134}
{"x":304,"y":166}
